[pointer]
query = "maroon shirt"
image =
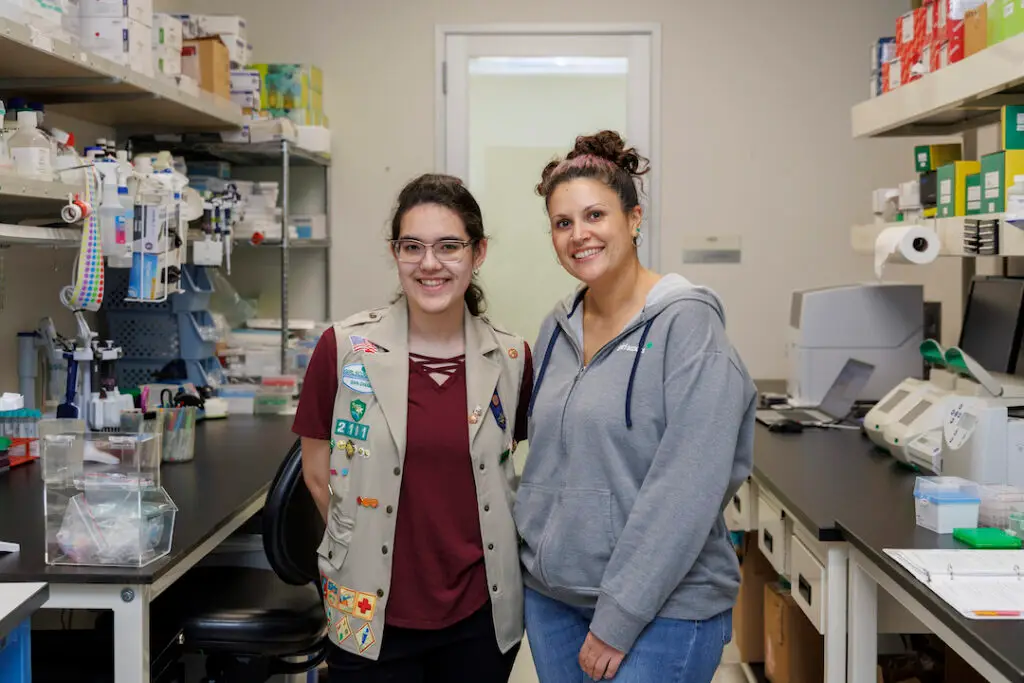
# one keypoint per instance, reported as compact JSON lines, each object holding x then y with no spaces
{"x":438,"y":576}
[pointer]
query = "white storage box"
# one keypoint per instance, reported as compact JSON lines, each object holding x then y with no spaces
{"x":139,"y":10}
{"x":946,"y":503}
{"x":120,"y":40}
{"x":315,"y":139}
{"x":246,"y":80}
{"x":219,"y":24}
{"x":308,"y":227}
{"x":167,"y":33}
{"x":167,"y":62}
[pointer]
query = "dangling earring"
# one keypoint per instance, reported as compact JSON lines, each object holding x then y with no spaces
{"x":638,"y":239}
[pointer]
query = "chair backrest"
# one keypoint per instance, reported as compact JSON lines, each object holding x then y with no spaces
{"x":292,"y":525}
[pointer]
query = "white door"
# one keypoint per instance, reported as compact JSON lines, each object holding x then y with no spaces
{"x":510,"y":103}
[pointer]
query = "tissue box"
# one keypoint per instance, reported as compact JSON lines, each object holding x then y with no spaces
{"x":246,"y":80}
{"x":167,"y":62}
{"x":238,"y":49}
{"x":246,"y":100}
{"x":138,"y":10}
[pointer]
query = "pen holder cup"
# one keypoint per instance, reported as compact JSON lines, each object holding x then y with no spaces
{"x":179,"y":433}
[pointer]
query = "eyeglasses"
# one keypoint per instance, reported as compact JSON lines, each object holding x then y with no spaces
{"x":409,"y":250}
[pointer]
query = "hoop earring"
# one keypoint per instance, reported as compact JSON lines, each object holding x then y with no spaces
{"x":638,"y":239}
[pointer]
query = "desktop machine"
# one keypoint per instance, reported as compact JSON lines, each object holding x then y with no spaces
{"x":879,"y":323}
{"x":962,"y":421}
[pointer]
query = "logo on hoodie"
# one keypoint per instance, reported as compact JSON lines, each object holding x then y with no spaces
{"x":633,"y":348}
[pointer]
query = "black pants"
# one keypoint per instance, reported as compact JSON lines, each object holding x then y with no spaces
{"x":464,"y":653}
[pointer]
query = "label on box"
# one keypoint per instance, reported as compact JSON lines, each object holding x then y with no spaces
{"x":907,"y":26}
{"x":992,"y":185}
{"x":946,"y":191}
{"x":974,"y":198}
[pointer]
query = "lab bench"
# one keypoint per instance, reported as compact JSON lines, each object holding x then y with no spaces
{"x":826,"y":505}
{"x":216,"y":493}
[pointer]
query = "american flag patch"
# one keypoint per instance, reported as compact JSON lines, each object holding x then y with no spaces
{"x":362,"y":345}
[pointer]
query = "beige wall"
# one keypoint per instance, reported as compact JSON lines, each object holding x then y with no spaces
{"x":755,"y":129}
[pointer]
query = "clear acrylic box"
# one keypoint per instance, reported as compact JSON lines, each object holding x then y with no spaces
{"x":103,"y":500}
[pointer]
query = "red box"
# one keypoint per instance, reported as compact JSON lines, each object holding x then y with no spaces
{"x":939,"y":56}
{"x":942,"y":19}
{"x":911,"y":31}
{"x":906,"y":66}
{"x":890,"y":75}
{"x":956,"y":36}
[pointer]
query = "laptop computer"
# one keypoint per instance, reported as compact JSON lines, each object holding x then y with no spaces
{"x":837,"y":402}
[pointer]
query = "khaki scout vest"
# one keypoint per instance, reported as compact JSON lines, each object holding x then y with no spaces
{"x":367,"y":461}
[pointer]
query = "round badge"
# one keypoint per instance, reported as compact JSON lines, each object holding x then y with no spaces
{"x":513,"y":354}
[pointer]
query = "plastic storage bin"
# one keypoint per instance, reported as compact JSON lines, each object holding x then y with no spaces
{"x":196,"y":290}
{"x":946,"y":503}
{"x":16,"y":654}
{"x":103,"y":500}
{"x":997,"y":503}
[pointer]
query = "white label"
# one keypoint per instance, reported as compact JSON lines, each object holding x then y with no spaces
{"x":930,"y":23}
{"x":908,"y":27}
{"x":1007,"y":9}
{"x":974,"y":194}
{"x":942,"y":13}
{"x":894,"y":78}
{"x":33,"y":162}
{"x":960,"y":423}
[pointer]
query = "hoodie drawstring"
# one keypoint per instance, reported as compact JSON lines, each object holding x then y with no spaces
{"x":632,"y":373}
{"x":547,"y":353}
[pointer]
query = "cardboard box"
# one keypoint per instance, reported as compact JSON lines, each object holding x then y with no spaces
{"x":975,"y":30}
{"x":994,"y":13}
{"x":890,"y":76}
{"x":1012,"y":127}
{"x":942,"y":8}
{"x":167,"y":62}
{"x":246,"y":100}
{"x":139,"y":10}
{"x":167,"y":34}
{"x":973,"y":190}
{"x":748,"y":614}
{"x":997,"y":176}
{"x":124,"y":41}
{"x":931,"y":157}
{"x":907,"y":64}
{"x":912,"y":30}
{"x":1013,"y":18}
{"x":794,"y":650}
{"x":952,"y":187}
{"x":218,"y":24}
{"x":206,"y":60}
{"x":238,"y":49}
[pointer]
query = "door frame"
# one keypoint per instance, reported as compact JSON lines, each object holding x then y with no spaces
{"x":652,"y":181}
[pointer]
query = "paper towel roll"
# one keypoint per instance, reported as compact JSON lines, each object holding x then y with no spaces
{"x":914,"y":244}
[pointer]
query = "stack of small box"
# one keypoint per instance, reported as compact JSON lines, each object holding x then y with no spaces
{"x":167,"y":43}
{"x":231,"y":29}
{"x":245,"y":91}
{"x":119,"y":30}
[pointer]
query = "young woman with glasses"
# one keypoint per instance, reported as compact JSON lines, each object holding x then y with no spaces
{"x":409,"y":416}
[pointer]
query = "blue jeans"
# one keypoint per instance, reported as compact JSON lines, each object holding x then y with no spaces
{"x":668,"y":650}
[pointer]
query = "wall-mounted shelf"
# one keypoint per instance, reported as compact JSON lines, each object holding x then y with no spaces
{"x":14,"y":188}
{"x":40,"y":237}
{"x":960,"y":97}
{"x":91,"y":88}
{"x":951,"y":234}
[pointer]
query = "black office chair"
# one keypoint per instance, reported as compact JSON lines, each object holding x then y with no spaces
{"x":250,"y":622}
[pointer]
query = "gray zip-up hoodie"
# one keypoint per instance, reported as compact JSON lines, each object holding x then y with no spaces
{"x":632,"y":461}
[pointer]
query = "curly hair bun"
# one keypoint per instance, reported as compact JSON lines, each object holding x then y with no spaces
{"x":609,"y":145}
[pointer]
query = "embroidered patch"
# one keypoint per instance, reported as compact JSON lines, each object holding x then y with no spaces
{"x":355,"y":378}
{"x":362,"y":344}
{"x":331,"y":594}
{"x":342,"y":629}
{"x":346,"y":600}
{"x":357,"y":408}
{"x":352,"y":430}
{"x":365,"y":605}
{"x":364,"y":638}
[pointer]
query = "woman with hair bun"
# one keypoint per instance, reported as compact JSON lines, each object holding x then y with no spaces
{"x":409,"y":415}
{"x":641,"y":429}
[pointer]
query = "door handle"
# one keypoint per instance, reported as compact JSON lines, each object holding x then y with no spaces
{"x":768,"y":540}
{"x":804,"y":587}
